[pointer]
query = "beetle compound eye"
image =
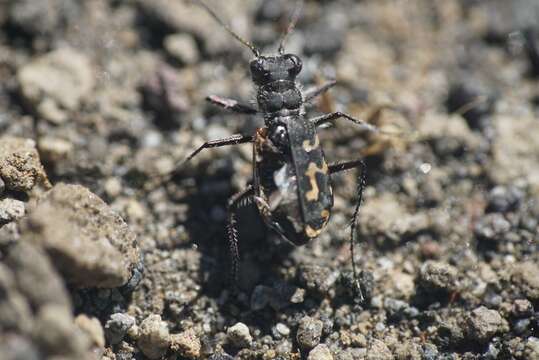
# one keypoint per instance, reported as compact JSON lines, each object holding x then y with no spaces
{"x":295,"y":64}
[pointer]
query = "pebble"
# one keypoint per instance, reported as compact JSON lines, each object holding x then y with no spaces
{"x":316,"y":278}
{"x":525,"y":277}
{"x":320,"y":352}
{"x":482,"y":324}
{"x":53,"y":150}
{"x":2,"y":186}
{"x":522,"y":308}
{"x":492,"y":227}
{"x":90,"y":244}
{"x":20,"y":167}
{"x":182,"y":47}
{"x":282,"y":329}
{"x":309,"y":332}
{"x":154,"y":338}
{"x":93,"y":329}
{"x":437,"y":276}
{"x":239,"y":336}
{"x":113,"y":187}
{"x":531,"y":351}
{"x":504,"y":198}
{"x":117,"y":327}
{"x":56,"y":83}
{"x":56,"y":333}
{"x":35,"y":277}
{"x":186,"y":344}
{"x":15,"y":347}
{"x":42,"y":17}
{"x":377,"y":350}
{"x":11,"y":210}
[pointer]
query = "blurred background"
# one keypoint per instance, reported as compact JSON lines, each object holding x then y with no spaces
{"x":98,"y":99}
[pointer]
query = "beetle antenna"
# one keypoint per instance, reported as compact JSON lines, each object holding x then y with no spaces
{"x":291,"y":26}
{"x":228,"y":28}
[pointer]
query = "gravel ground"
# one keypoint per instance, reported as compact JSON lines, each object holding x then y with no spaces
{"x":100,"y":98}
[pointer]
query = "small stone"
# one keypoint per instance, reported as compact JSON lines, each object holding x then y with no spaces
{"x":54,"y":149}
{"x":36,"y":277}
{"x":320,"y":352}
{"x":10,"y":210}
{"x":239,"y":335}
{"x":316,"y":278}
{"x":282,"y":329}
{"x":134,"y":332}
{"x":492,"y":227}
{"x":15,"y":347}
{"x":113,"y":187}
{"x":309,"y":332}
{"x":2,"y":186}
{"x":525,"y":277}
{"x":522,"y":308}
{"x":93,"y":329}
{"x":186,"y":344}
{"x":90,"y":244}
{"x":483,"y":324}
{"x":56,"y":83}
{"x":503,"y":199}
{"x":117,"y":327}
{"x":154,"y":338}
{"x":531,"y":351}
{"x":56,"y":332}
{"x":182,"y":47}
{"x":437,"y":277}
{"x":377,"y":350}
{"x":20,"y":167}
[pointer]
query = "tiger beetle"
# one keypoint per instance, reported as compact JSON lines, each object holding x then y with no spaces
{"x":291,"y":179}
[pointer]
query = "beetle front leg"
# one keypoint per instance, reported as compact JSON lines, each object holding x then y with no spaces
{"x":231,"y":104}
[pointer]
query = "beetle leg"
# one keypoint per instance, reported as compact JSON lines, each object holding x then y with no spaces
{"x":338,"y":167}
{"x":237,"y":201}
{"x":326,"y":118}
{"x":319,"y":90}
{"x":231,"y":140}
{"x":231,"y":104}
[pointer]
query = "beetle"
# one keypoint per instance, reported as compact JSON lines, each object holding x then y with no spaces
{"x":291,"y":184}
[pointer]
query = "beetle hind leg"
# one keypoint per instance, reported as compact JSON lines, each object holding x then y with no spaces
{"x":237,"y":201}
{"x":335,"y":168}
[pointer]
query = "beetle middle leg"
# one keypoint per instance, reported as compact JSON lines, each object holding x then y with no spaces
{"x":237,"y":201}
{"x":339,"y":167}
{"x":326,"y":118}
